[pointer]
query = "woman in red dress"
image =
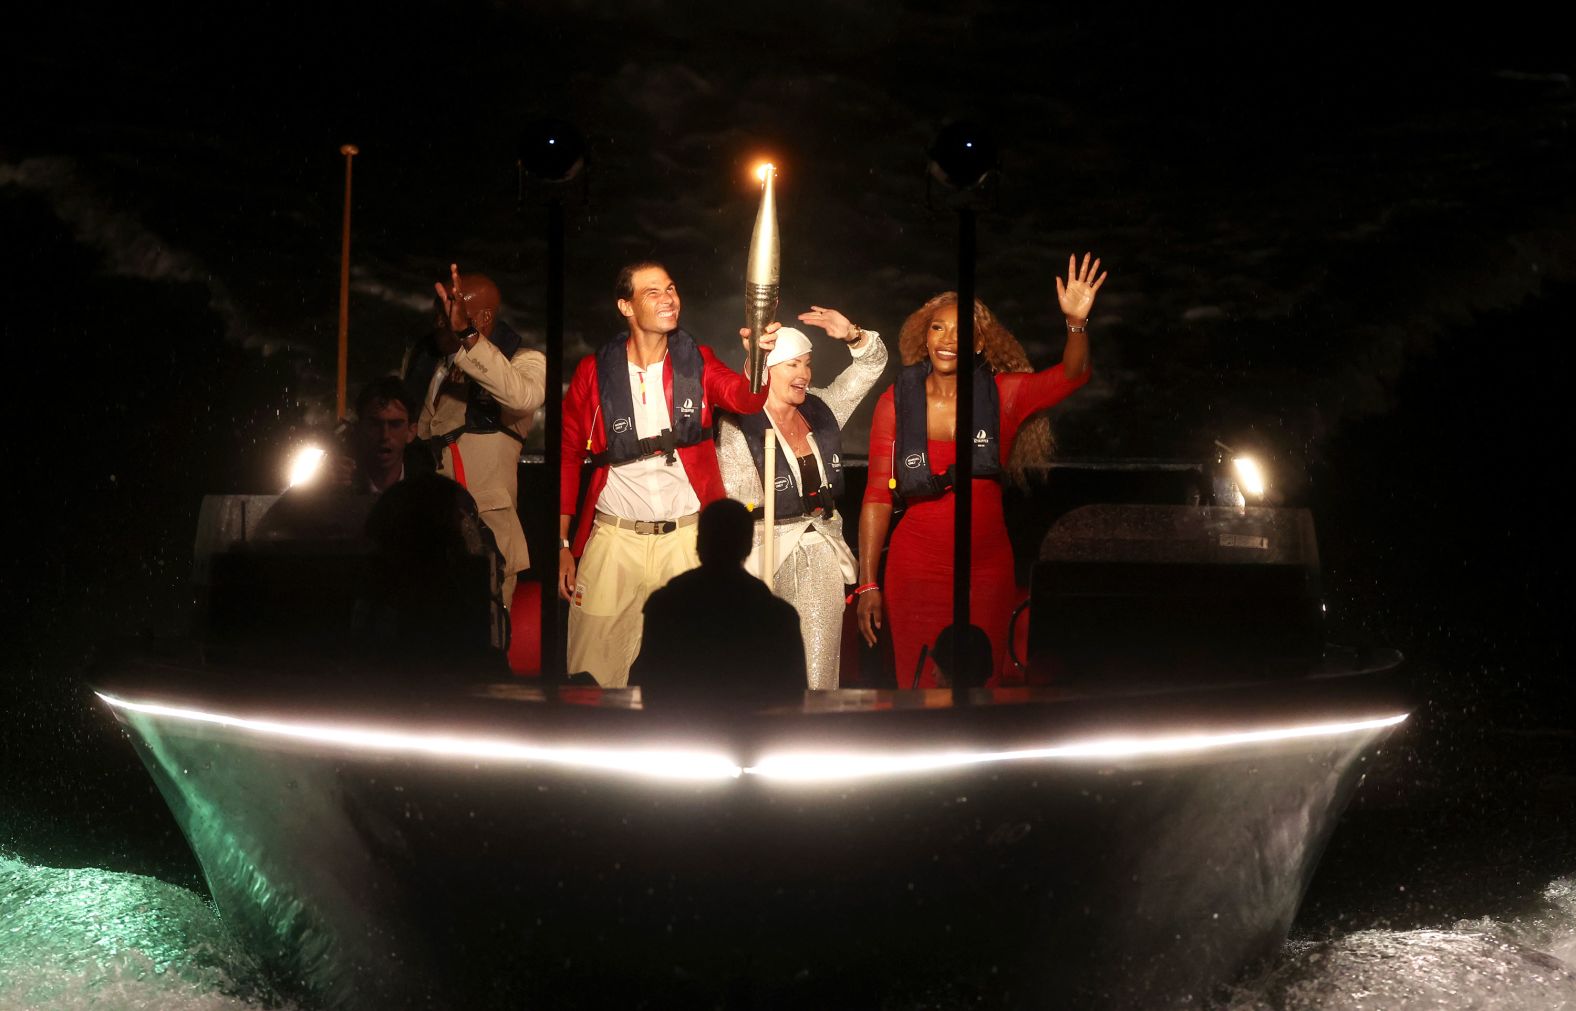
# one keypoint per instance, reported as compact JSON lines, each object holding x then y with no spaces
{"x":912,"y":449}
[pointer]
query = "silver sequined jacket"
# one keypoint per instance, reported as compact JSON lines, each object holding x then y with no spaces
{"x":845,"y":393}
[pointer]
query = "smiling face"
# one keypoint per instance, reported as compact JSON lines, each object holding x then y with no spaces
{"x":653,"y":305}
{"x":789,"y":381}
{"x":941,"y":340}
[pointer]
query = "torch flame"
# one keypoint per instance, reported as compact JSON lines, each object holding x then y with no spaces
{"x":762,"y":169}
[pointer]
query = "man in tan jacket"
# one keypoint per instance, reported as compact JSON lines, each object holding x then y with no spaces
{"x":481,"y":392}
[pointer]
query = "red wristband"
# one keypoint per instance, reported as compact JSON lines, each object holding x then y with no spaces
{"x":866,"y":588}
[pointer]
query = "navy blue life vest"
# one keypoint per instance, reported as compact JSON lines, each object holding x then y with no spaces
{"x":483,"y":413}
{"x":911,"y":456}
{"x":828,"y":439}
{"x":618,"y":403}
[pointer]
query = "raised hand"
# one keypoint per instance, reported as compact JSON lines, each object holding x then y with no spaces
{"x":453,"y":304}
{"x":833,"y":322}
{"x":768,"y":338}
{"x":1076,"y":294}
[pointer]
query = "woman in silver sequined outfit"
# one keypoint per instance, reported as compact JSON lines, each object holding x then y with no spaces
{"x":813,"y":561}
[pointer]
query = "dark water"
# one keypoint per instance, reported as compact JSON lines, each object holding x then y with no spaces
{"x":94,"y":938}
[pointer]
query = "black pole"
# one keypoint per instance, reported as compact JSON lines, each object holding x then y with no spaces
{"x":963,"y":486}
{"x":552,"y":155}
{"x":552,"y":451}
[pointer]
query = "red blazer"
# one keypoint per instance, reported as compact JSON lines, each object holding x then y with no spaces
{"x":721,"y":387}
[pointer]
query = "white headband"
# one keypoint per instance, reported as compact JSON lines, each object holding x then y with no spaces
{"x":790,"y":345}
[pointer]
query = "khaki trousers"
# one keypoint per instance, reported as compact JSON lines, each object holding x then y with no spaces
{"x":617,"y":572}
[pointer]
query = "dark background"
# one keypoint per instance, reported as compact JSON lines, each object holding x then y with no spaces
{"x":1345,"y":242}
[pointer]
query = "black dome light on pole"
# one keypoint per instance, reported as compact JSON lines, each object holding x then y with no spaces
{"x":965,"y":159}
{"x":551,"y":152}
{"x":552,"y":158}
{"x":965,"y":162}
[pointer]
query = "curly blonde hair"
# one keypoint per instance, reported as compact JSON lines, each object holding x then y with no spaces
{"x":1002,"y":353}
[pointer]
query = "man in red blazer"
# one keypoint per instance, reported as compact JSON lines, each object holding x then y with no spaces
{"x":639,"y":410}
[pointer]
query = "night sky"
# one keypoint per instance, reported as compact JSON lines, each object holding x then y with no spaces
{"x":1347,"y":243}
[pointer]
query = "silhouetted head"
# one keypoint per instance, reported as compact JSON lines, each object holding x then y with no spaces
{"x":976,"y":648}
{"x":726,"y":532}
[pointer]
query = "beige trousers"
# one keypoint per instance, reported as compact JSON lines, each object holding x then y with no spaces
{"x":617,"y":572}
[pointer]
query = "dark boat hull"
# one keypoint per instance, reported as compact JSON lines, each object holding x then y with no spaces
{"x":1021,"y":866}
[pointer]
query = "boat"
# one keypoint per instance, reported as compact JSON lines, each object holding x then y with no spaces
{"x":1134,"y":825}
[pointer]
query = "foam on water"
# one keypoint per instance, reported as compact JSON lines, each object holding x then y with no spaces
{"x":74,"y":939}
{"x":1527,"y":961}
{"x":93,"y":938}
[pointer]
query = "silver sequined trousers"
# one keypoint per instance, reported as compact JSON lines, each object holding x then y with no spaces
{"x":811,"y":579}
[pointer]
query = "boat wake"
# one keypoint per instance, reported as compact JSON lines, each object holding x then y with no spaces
{"x":93,"y":938}
{"x":1528,"y":961}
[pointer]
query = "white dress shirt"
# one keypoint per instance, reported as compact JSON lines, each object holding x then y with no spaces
{"x":649,"y":488}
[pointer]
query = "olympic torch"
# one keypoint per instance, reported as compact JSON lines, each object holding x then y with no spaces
{"x":762,"y":274}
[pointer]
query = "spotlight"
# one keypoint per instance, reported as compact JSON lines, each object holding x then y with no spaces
{"x":306,"y":464}
{"x":1249,"y":477}
{"x":551,"y":151}
{"x":1242,"y":481}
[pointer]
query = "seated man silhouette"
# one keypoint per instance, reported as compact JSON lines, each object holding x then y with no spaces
{"x":716,"y":636}
{"x":430,"y":598}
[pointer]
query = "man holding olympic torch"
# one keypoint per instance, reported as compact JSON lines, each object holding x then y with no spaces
{"x":639,"y":412}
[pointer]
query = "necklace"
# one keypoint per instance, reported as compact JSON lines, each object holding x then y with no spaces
{"x":793,"y":425}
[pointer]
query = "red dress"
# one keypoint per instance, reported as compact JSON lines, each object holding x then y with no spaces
{"x":917,"y":589}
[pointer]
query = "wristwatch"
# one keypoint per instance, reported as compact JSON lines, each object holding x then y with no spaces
{"x":466,"y":334}
{"x":563,"y":542}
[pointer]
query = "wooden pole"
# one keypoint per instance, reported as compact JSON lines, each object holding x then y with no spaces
{"x":349,"y":151}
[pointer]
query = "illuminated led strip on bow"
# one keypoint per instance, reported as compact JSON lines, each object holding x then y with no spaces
{"x":823,"y":765}
{"x":660,"y":763}
{"x":803,"y":766}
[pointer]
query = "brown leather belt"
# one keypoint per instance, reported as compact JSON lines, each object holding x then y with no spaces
{"x":647,"y":526}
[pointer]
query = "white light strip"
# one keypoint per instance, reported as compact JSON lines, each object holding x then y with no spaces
{"x":808,"y":766}
{"x":822,"y":766}
{"x":665,"y":763}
